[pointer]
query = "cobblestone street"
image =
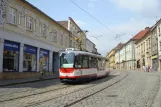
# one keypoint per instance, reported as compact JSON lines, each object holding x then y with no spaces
{"x":126,"y":89}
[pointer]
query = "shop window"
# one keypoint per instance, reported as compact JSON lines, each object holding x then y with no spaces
{"x":29,"y":58}
{"x":12,"y":16}
{"x":10,"y":56}
{"x":44,"y":60}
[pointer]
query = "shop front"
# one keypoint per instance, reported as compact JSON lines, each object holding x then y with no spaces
{"x":44,"y":60}
{"x":29,"y":58}
{"x":154,"y":62}
{"x":11,"y":56}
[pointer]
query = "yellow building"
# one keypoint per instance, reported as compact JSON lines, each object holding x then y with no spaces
{"x":29,"y":40}
{"x":111,"y":57}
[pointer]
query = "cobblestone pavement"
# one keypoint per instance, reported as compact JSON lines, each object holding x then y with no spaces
{"x":127,"y":89}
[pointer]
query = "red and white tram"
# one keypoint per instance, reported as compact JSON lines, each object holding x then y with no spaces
{"x":78,"y":65}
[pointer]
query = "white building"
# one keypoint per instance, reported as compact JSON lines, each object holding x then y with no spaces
{"x":117,"y":59}
{"x":130,"y":54}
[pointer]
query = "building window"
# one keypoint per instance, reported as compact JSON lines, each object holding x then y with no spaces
{"x":34,"y":25}
{"x":1,"y":13}
{"x":40,"y":29}
{"x":44,"y":28}
{"x":12,"y":16}
{"x":55,"y":35}
{"x":73,"y":44}
{"x":19,"y":19}
{"x":66,"y":42}
{"x":29,"y":23}
{"x":70,"y":43}
{"x":10,"y":56}
{"x":159,"y":30}
{"x":29,"y":58}
{"x":61,"y":39}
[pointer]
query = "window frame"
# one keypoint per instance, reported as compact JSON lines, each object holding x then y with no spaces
{"x":12,"y":16}
{"x":30,"y":23}
{"x":55,"y":35}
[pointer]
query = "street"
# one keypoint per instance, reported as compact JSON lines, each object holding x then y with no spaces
{"x":124,"y":89}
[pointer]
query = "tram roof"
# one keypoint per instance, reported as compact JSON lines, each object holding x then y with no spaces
{"x":84,"y":53}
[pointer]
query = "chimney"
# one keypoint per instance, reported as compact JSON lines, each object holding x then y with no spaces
{"x":147,"y":28}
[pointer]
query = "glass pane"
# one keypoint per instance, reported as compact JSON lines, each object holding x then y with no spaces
{"x":10,"y":60}
{"x":67,"y":60}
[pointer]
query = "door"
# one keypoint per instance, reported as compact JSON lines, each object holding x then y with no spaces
{"x":56,"y":62}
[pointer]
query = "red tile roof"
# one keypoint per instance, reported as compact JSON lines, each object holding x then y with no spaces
{"x":141,"y":34}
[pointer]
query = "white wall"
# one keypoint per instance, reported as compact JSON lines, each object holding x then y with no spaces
{"x":122,"y":54}
{"x":89,"y":46}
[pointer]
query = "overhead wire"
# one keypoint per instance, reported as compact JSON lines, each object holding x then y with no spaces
{"x":117,"y":35}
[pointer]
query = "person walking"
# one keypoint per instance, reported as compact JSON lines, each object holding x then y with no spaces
{"x":42,"y":71}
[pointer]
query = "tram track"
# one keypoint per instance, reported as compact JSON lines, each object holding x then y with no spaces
{"x":76,"y":101}
{"x":42,"y":92}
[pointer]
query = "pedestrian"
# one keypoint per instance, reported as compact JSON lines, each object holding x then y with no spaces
{"x":42,"y":71}
{"x":148,"y":68}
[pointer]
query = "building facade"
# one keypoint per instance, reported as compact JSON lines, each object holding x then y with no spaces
{"x":29,"y":40}
{"x":156,"y":45}
{"x":89,"y":45}
{"x":130,"y":54}
{"x":76,"y":31}
{"x":143,"y":50}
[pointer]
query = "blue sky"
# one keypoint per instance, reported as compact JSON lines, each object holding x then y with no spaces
{"x":121,"y":16}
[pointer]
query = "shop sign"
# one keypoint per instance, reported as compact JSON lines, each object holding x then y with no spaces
{"x":11,"y":46}
{"x":30,"y":49}
{"x":44,"y":53}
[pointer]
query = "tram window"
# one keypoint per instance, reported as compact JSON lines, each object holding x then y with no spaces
{"x":78,"y":61}
{"x":85,"y":62}
{"x":81,"y":61}
{"x":91,"y":62}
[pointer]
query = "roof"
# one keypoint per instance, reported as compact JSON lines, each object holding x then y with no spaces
{"x":25,"y":1}
{"x":144,"y":35}
{"x":141,"y":34}
{"x":63,"y":23}
{"x":75,"y":23}
{"x":90,"y":41}
{"x":119,"y":46}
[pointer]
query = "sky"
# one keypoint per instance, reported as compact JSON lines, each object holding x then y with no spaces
{"x":123,"y":17}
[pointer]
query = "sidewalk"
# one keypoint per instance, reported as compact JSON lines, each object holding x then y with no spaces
{"x":26,"y":80}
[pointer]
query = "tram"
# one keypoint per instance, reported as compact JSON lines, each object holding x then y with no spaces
{"x":77,"y":66}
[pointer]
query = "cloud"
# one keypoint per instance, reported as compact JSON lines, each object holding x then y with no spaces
{"x":108,"y":41}
{"x":146,"y":8}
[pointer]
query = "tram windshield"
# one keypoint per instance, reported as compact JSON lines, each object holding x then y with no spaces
{"x":67,"y":60}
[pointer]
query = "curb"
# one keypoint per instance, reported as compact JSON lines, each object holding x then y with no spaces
{"x":24,"y":82}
